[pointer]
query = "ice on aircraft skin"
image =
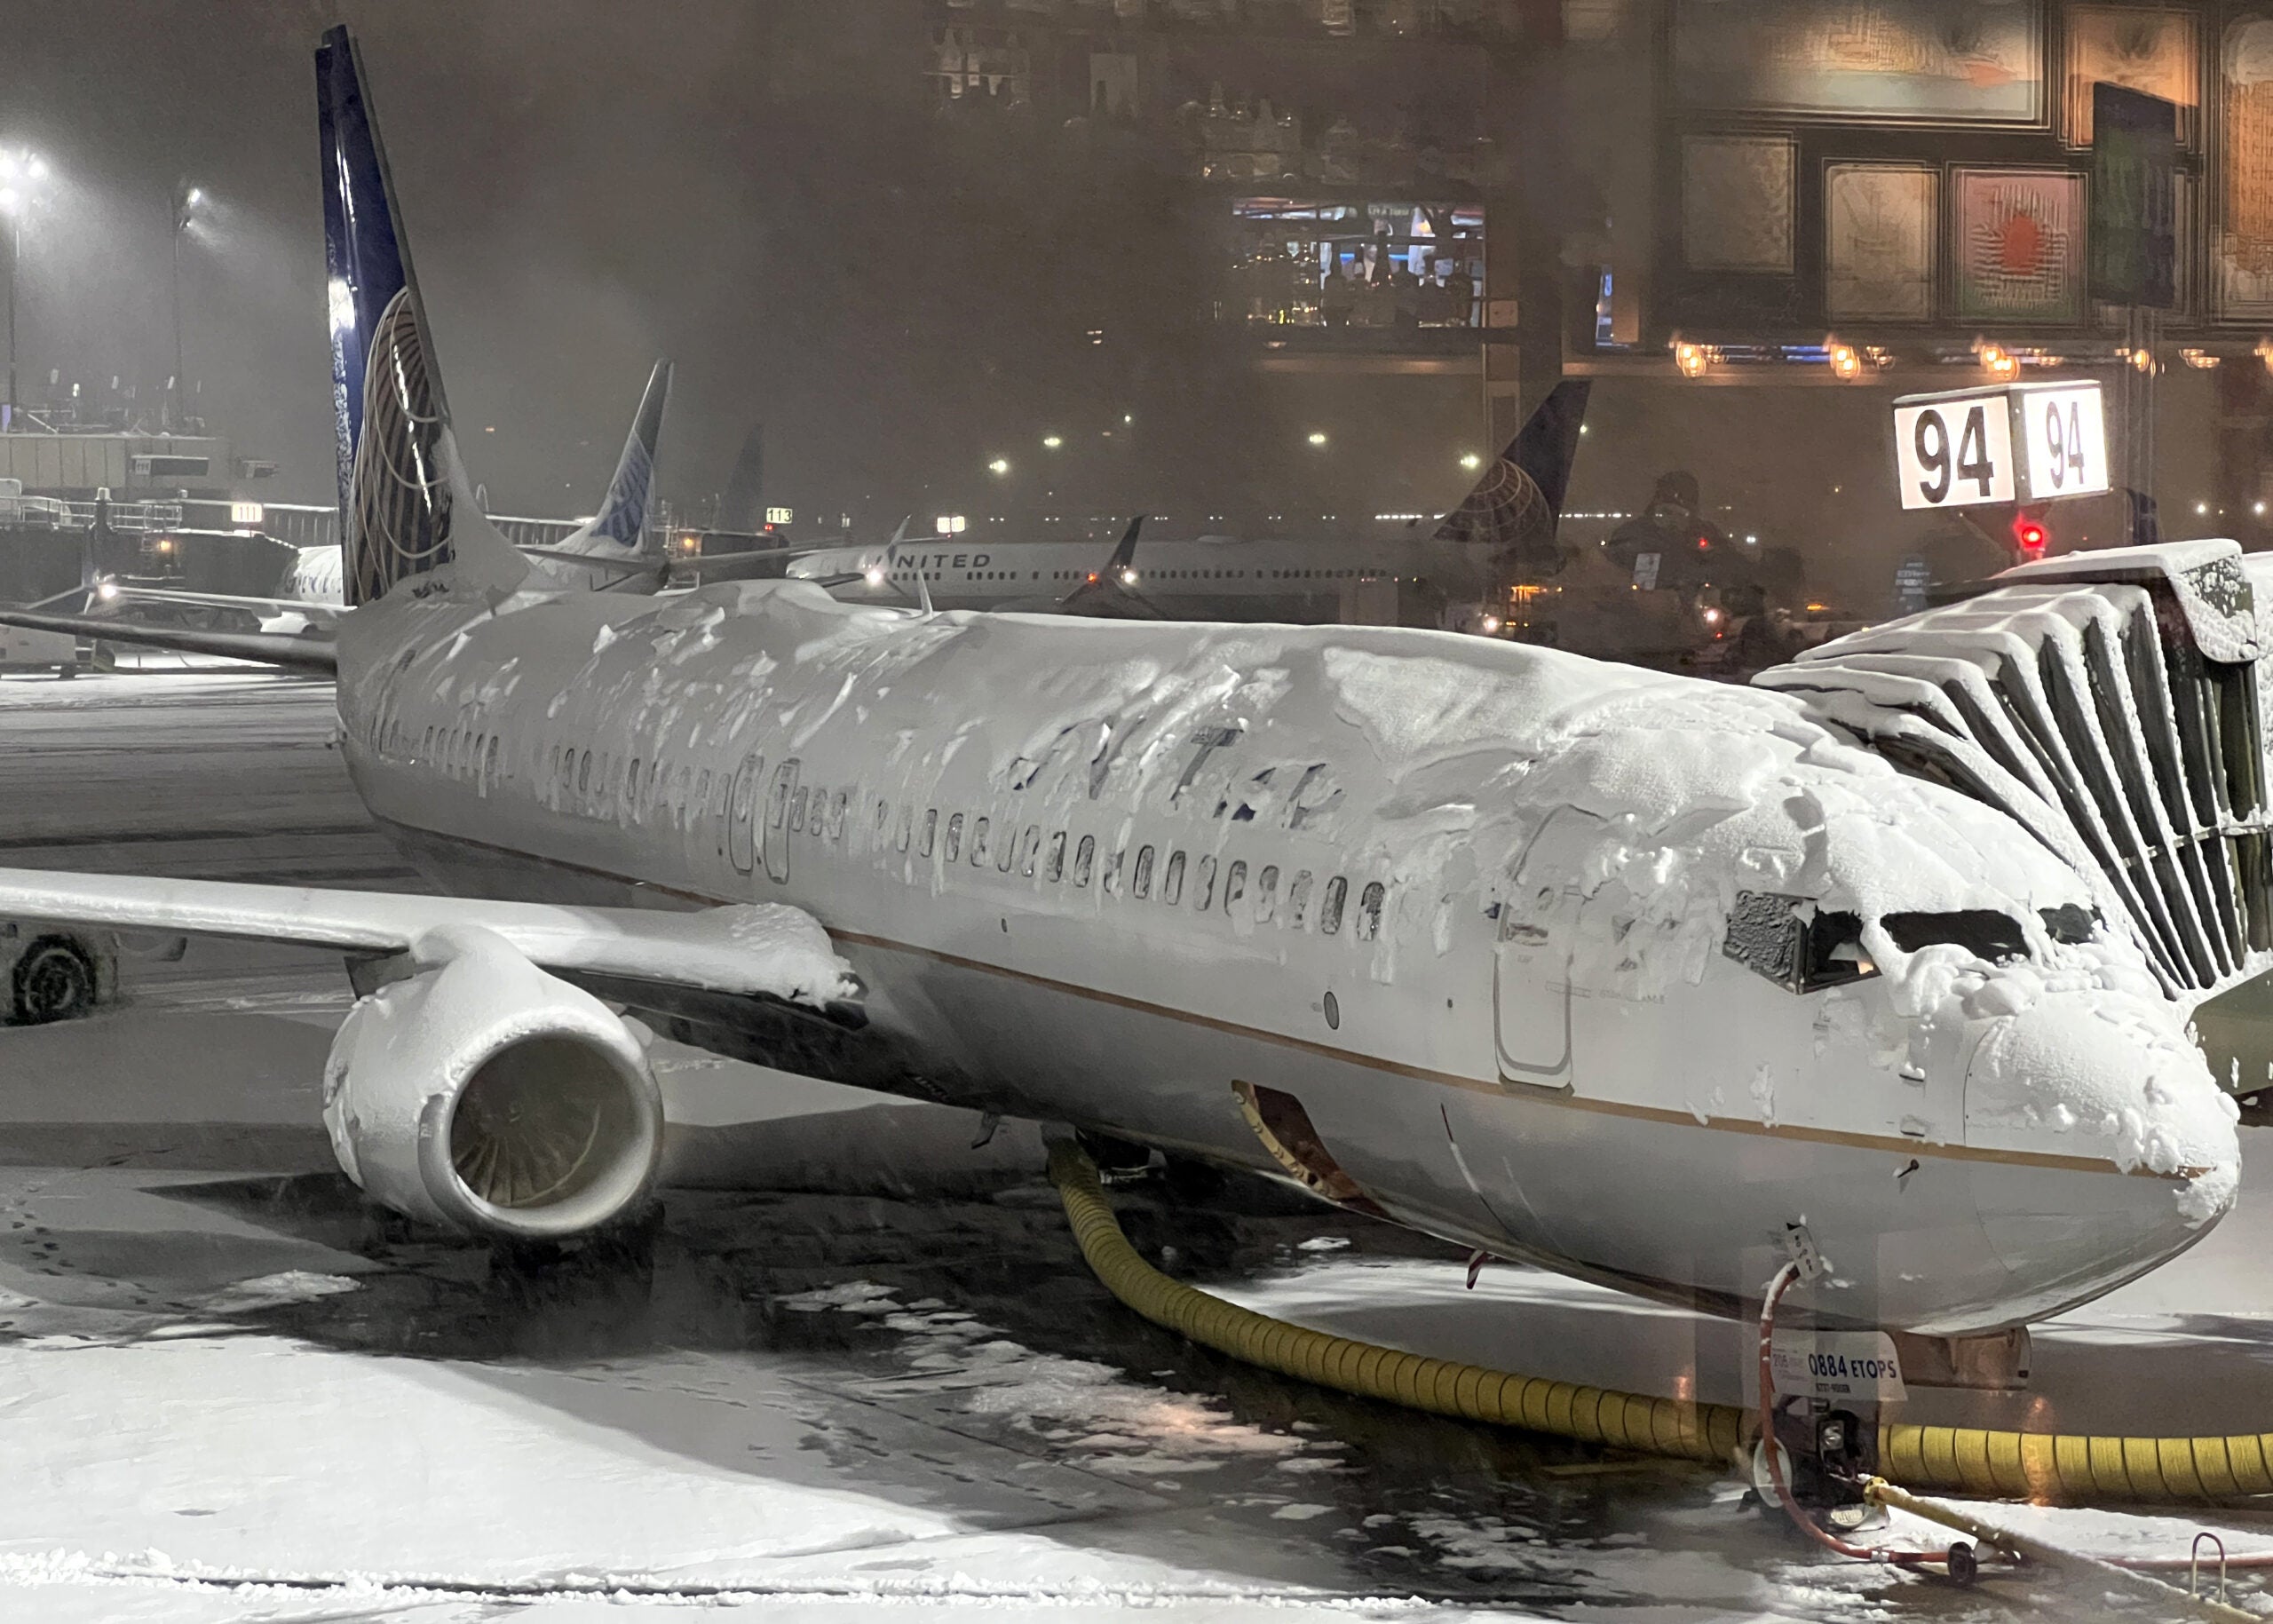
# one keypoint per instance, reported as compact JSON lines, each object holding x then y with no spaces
{"x":1476,"y":930}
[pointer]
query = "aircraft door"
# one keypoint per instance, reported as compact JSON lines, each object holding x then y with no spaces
{"x":741,"y":815}
{"x":777,"y":822}
{"x":1530,"y":979}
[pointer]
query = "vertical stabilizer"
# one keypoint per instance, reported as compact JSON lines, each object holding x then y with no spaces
{"x":624,"y":510}
{"x":1520,"y":497}
{"x":405,"y":505}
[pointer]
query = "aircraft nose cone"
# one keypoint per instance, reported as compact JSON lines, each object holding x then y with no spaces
{"x":2112,"y":1148}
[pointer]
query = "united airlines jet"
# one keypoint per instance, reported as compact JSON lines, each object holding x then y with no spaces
{"x":1640,"y":977}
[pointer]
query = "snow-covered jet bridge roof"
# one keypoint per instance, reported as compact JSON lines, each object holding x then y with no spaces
{"x":2113,"y":702}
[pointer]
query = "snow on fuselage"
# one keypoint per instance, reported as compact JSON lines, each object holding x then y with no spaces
{"x":1467,"y":903}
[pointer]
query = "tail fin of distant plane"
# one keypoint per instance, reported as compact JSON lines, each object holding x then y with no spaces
{"x":406,"y":507}
{"x":1112,"y":595}
{"x":623,"y":511}
{"x":1520,"y":497}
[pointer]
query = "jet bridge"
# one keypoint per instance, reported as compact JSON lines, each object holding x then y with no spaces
{"x":2113,"y":702}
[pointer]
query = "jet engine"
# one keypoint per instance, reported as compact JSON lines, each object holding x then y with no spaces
{"x":485,"y":1095}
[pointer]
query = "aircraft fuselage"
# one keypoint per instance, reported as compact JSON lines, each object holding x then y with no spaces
{"x":1140,"y":877}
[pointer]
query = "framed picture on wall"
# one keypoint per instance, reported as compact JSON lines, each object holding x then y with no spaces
{"x":2017,"y":245}
{"x":2155,"y":51}
{"x":1923,"y":61}
{"x":1737,"y":203}
{"x":2241,"y":252}
{"x":1879,"y":225}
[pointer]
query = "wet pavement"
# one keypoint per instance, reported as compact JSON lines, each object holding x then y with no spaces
{"x":860,"y":1365}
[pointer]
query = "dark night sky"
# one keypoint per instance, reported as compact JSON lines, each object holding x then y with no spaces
{"x":755,"y":189}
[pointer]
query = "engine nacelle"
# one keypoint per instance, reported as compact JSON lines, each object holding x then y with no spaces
{"x":486,"y":1095}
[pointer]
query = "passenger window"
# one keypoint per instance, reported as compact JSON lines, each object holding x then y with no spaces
{"x":584,"y":774}
{"x":1329,"y":910}
{"x":631,"y":786}
{"x":883,"y":819}
{"x":1085,"y":857}
{"x":1204,"y":898}
{"x":702,"y":792}
{"x":954,"y":837}
{"x":978,"y":843}
{"x":1172,"y":880}
{"x":426,"y":747}
{"x":797,"y":810}
{"x":1056,"y":868}
{"x":1298,"y":900}
{"x":1030,"y":847}
{"x":1266,"y":895}
{"x":1141,"y":885}
{"x":907,"y":830}
{"x":1006,"y":853}
{"x":490,"y":767}
{"x":836,"y":815}
{"x":931,"y":829}
{"x":1234,"y":885}
{"x":1112,"y":874}
{"x":1369,"y":911}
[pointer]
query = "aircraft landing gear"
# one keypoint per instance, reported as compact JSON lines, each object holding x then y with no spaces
{"x":1827,"y":1454}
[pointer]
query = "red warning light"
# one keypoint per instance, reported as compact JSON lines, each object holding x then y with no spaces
{"x":2031,"y":535}
{"x":1702,"y":544}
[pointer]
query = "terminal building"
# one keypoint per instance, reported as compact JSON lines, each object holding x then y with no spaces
{"x":1820,"y":204}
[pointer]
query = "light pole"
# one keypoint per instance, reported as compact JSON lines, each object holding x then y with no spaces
{"x":186,"y":198}
{"x":18,"y":171}
{"x":11,"y":204}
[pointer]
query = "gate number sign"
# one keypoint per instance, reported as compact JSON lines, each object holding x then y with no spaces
{"x":2023,"y":442}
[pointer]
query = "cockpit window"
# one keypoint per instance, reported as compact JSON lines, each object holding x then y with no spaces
{"x":1983,"y":933}
{"x":2072,"y":923}
{"x":1775,"y":936}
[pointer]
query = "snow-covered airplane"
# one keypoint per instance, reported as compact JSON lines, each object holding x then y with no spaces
{"x":614,"y":548}
{"x":1643,"y":979}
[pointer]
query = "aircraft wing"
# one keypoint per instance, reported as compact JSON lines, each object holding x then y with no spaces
{"x":291,"y":654}
{"x":627,"y":568}
{"x":223,"y":600}
{"x":751,"y":950}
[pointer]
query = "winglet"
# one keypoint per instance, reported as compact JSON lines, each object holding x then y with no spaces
{"x":1516,"y":502}
{"x":623,"y":511}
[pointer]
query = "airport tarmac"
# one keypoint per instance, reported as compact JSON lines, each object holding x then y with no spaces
{"x":856,"y":1365}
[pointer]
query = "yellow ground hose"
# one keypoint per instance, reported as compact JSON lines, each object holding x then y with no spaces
{"x":2052,"y":1467}
{"x":1707,"y":1432}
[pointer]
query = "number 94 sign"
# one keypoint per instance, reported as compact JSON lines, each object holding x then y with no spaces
{"x":2025,"y":442}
